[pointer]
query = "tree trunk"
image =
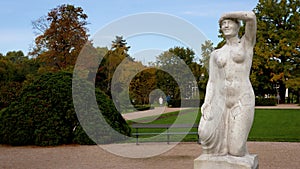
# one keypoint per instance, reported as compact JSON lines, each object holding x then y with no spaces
{"x":282,"y":93}
{"x":298,"y":96}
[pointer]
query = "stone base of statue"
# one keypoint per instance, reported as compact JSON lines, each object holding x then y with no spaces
{"x":205,"y":161}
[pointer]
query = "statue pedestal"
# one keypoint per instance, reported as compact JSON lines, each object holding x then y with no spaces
{"x":205,"y":161}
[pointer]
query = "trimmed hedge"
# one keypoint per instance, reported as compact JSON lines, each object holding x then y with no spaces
{"x":184,"y":103}
{"x":143,"y":107}
{"x":193,"y":102}
{"x":265,"y":101}
{"x":45,"y":115}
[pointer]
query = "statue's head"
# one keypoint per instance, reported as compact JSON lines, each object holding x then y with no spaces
{"x":229,"y":26}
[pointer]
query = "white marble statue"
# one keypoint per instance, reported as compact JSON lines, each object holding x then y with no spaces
{"x":228,"y":109}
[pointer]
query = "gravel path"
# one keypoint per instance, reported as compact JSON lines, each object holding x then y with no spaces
{"x":272,"y":155}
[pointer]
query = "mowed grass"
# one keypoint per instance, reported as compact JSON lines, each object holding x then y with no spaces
{"x":186,"y":117}
{"x":276,"y":125}
{"x":269,"y":124}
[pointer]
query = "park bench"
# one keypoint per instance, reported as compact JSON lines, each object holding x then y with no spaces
{"x":137,"y":134}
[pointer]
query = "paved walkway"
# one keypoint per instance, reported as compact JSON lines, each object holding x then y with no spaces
{"x":157,"y":111}
{"x":280,"y":106}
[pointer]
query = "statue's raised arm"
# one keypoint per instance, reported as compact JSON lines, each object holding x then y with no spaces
{"x":249,"y":19}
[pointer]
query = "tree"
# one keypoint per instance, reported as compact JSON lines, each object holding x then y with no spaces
{"x":15,"y":56}
{"x":15,"y":69}
{"x":277,"y":51}
{"x":63,"y":36}
{"x":120,"y":44}
{"x":9,"y":89}
{"x":110,"y":62}
{"x":171,"y":56}
{"x":168,"y":84}
{"x":186,"y":54}
{"x":174,"y":60}
{"x":206,"y":49}
{"x":142,"y":85}
{"x":122,"y":81}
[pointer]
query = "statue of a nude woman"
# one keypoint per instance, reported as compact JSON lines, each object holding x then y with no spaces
{"x":228,"y":109}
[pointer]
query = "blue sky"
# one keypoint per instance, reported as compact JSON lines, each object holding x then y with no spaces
{"x":16,"y":31}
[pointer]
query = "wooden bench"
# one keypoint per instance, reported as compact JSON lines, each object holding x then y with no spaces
{"x":163,"y":126}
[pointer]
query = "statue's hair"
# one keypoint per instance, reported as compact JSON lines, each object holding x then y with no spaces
{"x":237,"y":21}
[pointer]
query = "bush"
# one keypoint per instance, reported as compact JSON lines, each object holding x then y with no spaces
{"x":265,"y":101}
{"x":45,"y":115}
{"x":193,"y":102}
{"x":143,"y":107}
{"x":184,"y":103}
{"x":9,"y":92}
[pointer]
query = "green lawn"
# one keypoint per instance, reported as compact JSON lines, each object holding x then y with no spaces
{"x":276,"y":125}
{"x":269,"y":124}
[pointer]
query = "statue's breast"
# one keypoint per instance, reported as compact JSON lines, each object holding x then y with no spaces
{"x":238,"y":54}
{"x":220,"y":59}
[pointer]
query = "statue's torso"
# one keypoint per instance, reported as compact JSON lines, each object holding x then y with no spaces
{"x":233,"y":67}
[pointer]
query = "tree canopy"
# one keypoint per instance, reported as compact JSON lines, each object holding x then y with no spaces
{"x":174,"y":61}
{"x":63,"y":34}
{"x":277,"y":51}
{"x":15,"y":69}
{"x":111,"y":60}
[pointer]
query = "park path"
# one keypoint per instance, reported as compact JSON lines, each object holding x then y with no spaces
{"x":157,"y":111}
{"x":279,"y":106}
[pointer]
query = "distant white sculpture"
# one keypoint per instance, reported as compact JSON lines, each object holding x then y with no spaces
{"x":161,"y":100}
{"x":228,"y":109}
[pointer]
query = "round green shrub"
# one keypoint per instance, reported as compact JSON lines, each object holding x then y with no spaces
{"x":45,"y":115}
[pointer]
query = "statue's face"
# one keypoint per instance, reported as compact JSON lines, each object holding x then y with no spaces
{"x":229,"y":27}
